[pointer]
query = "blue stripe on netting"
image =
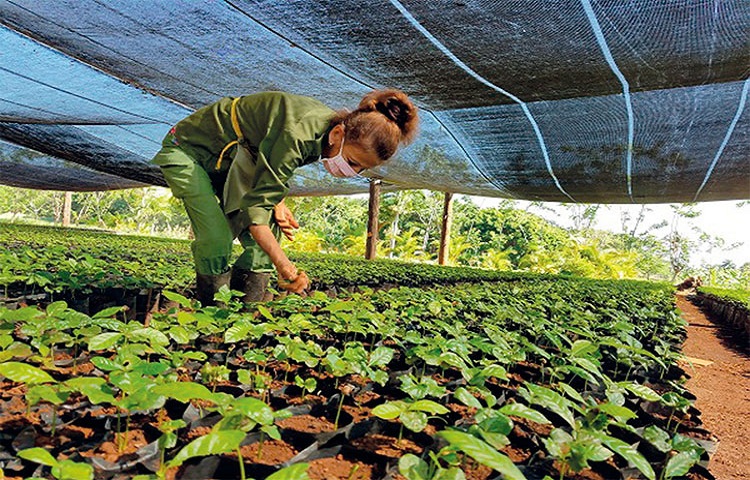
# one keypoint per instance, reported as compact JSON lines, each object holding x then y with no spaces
{"x":730,"y":130}
{"x":625,"y":88}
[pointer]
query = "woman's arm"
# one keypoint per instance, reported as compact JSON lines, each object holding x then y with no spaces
{"x":267,"y":241}
{"x":296,"y":281}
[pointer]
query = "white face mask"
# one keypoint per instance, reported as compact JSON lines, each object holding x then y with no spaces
{"x":338,"y":166}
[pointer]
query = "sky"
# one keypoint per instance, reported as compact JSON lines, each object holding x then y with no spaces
{"x":729,"y":220}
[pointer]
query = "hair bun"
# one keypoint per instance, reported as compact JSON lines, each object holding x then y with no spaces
{"x":396,"y":107}
{"x":393,"y":110}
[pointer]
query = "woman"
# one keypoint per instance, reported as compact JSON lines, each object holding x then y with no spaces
{"x":244,"y":151}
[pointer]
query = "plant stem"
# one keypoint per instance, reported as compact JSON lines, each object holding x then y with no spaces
{"x":260,"y":445}
{"x":669,"y":421}
{"x":54,"y":419}
{"x":242,"y":464}
{"x":161,"y":473}
{"x":118,"y":438}
{"x":338,"y":412}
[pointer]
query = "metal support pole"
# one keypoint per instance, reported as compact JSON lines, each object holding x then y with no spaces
{"x":445,"y":232}
{"x":371,"y":247}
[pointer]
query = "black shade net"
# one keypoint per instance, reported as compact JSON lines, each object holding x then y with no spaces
{"x":579,"y":100}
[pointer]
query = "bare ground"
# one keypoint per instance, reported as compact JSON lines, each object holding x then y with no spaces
{"x":722,"y":388}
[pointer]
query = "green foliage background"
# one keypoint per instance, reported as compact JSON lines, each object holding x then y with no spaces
{"x":502,"y":238}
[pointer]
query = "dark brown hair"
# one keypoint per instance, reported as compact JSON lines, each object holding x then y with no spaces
{"x":383,"y":120}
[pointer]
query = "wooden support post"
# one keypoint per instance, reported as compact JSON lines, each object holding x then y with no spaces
{"x":371,"y":247}
{"x":445,"y":232}
{"x":67,"y":206}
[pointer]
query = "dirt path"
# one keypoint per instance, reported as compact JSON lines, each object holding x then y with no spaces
{"x":723,"y":391}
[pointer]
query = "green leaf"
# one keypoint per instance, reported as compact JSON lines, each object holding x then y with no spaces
{"x":582,"y":372}
{"x":151,"y":335}
{"x":168,"y":440}
{"x":679,"y":465}
{"x":272,"y":431}
{"x":94,"y":388}
{"x":254,"y":409}
{"x":180,"y":335}
{"x":70,"y":470}
{"x":108,"y":312}
{"x":390,"y":410}
{"x":497,"y":423}
{"x":522,"y":411}
{"x":550,"y":400}
{"x":450,"y":358}
{"x":571,"y":392}
{"x":434,"y":307}
{"x":56,"y":308}
{"x":298,"y":471}
{"x":264,"y":312}
{"x":237,"y":333}
{"x":582,"y":347}
{"x":185,"y":318}
{"x":38,"y":455}
{"x":413,"y":420}
{"x":214,"y":443}
{"x":413,"y":468}
{"x":105,"y":364}
{"x":494,"y":370}
{"x":36,"y":393}
{"x":617,"y":412}
{"x":183,"y":391}
{"x":23,"y":314}
{"x":682,"y":443}
{"x":483,"y":453}
{"x":497,"y":440}
{"x":310,"y":384}
{"x":103,"y":341}
{"x":658,"y":438}
{"x":176,"y":297}
{"x":151,"y":368}
{"x":466,"y":398}
{"x":23,"y":373}
{"x":380,"y":377}
{"x":643,"y":392}
{"x":558,"y":443}
{"x":110,"y":324}
{"x":599,"y":453}
{"x":428,"y":406}
{"x":340,"y":306}
{"x":15,"y":350}
{"x":453,"y":473}
{"x":381,"y":356}
{"x":629,"y":453}
{"x":245,"y":377}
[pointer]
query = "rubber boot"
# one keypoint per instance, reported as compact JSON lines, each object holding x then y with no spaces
{"x":252,"y":284}
{"x":206,"y":287}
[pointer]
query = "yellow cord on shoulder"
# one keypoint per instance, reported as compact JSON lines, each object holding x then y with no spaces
{"x":237,"y":131}
{"x":240,"y":140}
{"x":221,"y":155}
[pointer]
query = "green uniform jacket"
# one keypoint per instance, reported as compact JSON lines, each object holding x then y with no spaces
{"x":282,"y":132}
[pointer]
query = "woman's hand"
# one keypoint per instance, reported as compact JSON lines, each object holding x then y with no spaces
{"x":286,"y":220}
{"x":290,"y":279}
{"x":296,"y":285}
